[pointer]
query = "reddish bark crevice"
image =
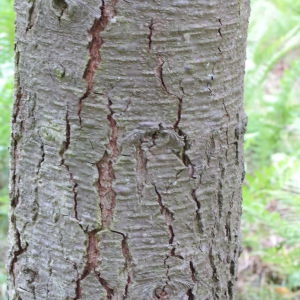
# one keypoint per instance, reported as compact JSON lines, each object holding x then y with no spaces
{"x":105,"y":285}
{"x":127,"y":287}
{"x":107,"y":196}
{"x":95,"y":44}
{"x":93,"y":254}
{"x":128,"y":261}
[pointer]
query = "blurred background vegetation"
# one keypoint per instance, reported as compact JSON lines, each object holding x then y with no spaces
{"x":270,"y":262}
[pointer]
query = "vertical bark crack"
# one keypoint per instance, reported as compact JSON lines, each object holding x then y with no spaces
{"x":199,"y":220}
{"x":220,"y":28}
{"x":151,"y":29}
{"x":128,"y":261}
{"x":105,"y":285}
{"x":65,"y":146}
{"x":14,"y":190}
{"x":93,"y":254}
{"x":105,"y":191}
{"x":193,"y":271}
{"x":190,"y":294}
{"x":107,"y":196}
{"x":215,"y":276}
{"x":42,"y":159}
{"x":141,"y":169}
{"x":169,"y":218}
{"x":220,"y":198}
{"x":95,"y":45}
{"x":31,"y":16}
{"x":20,"y":250}
{"x":17,"y":104}
{"x":160,"y":74}
{"x":165,"y":211}
{"x":183,"y":155}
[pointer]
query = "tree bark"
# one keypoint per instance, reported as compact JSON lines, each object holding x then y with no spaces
{"x":127,"y":149}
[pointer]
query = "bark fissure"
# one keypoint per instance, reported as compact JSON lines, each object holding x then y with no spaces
{"x":182,"y":155}
{"x":190,"y":294}
{"x":17,"y":104}
{"x":215,"y":277}
{"x":149,"y":36}
{"x":220,"y":28}
{"x":220,"y":198}
{"x":128,"y":261}
{"x":31,"y":16}
{"x":169,"y":218}
{"x":141,"y":169}
{"x":199,"y":218}
{"x":43,"y":154}
{"x":165,"y":211}
{"x":160,"y":75}
{"x":18,"y":252}
{"x":107,"y":195}
{"x":60,"y":5}
{"x":105,"y":285}
{"x":93,"y":254}
{"x":14,"y":189}
{"x":65,"y":146}
{"x":95,"y":45}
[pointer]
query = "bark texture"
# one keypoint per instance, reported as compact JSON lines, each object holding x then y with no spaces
{"x":127,"y":149}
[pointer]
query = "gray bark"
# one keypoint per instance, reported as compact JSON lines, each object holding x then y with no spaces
{"x":127,"y":149}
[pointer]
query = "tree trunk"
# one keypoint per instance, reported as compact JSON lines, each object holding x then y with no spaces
{"x":127,"y":149}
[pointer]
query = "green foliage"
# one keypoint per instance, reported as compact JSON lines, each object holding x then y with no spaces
{"x":271,"y":205}
{"x":6,"y":95}
{"x":6,"y":92}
